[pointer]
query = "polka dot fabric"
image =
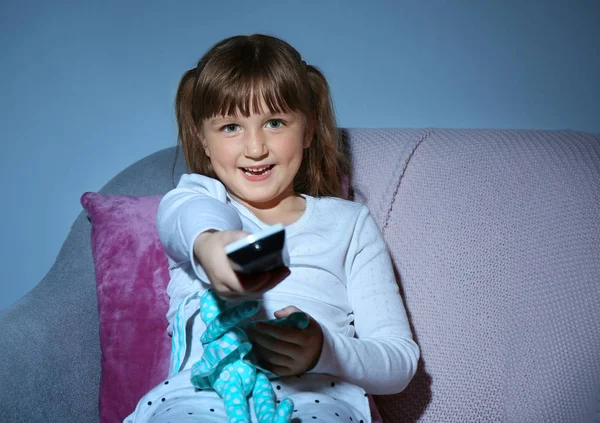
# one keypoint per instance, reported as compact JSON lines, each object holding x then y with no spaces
{"x":176,"y":400}
{"x":496,"y":238}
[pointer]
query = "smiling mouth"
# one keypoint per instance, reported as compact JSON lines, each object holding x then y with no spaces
{"x":257,"y":171}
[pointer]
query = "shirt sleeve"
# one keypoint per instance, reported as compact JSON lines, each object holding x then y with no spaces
{"x":383,"y":358}
{"x":197,"y":204}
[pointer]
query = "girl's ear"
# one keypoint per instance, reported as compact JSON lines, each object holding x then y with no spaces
{"x":202,"y":141}
{"x":205,"y":146}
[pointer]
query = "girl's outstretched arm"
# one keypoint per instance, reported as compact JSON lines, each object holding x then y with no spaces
{"x":383,"y":358}
{"x":195,"y":223}
{"x":197,"y":205}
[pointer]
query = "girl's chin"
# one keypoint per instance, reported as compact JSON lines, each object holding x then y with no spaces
{"x":258,"y":201}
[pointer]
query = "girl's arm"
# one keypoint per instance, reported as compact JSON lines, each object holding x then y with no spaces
{"x":195,"y":223}
{"x":383,"y":359}
{"x":198,"y":204}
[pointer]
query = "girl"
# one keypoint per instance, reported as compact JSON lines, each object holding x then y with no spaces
{"x":260,"y":141}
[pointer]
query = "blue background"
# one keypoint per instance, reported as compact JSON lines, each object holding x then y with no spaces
{"x":87,"y":87}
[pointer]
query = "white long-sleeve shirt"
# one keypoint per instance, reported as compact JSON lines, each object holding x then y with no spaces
{"x":341,"y":275}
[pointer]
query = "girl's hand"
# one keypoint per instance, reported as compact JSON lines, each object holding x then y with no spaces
{"x":287,"y":351}
{"x":209,"y":249}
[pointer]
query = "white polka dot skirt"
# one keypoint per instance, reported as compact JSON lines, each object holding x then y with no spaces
{"x":317,"y":398}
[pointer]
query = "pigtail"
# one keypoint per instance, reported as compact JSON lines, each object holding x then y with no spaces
{"x":325,"y":163}
{"x":186,"y":121}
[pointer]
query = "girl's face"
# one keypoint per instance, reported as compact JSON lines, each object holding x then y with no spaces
{"x":257,"y":157}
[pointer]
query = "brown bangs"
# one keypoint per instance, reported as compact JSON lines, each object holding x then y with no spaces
{"x":238,"y":83}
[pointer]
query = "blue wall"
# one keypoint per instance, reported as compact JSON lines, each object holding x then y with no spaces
{"x":88,"y":89}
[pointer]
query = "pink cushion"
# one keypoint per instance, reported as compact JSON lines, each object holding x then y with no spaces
{"x":131,"y":277}
{"x":131,"y":280}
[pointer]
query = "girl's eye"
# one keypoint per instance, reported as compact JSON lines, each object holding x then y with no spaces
{"x":275,"y":124}
{"x":230,"y":128}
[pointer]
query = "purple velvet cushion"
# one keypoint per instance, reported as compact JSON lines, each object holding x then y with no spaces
{"x":131,"y":277}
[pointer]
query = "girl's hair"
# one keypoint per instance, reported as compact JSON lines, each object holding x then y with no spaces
{"x":234,"y":76}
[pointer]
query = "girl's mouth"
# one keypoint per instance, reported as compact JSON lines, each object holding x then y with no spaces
{"x":257,"y":173}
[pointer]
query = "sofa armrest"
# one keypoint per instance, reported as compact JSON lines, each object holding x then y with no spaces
{"x":49,"y":353}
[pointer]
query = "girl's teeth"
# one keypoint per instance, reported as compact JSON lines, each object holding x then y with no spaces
{"x":257,"y":171}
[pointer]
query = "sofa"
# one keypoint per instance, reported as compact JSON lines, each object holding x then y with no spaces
{"x":495,"y":239}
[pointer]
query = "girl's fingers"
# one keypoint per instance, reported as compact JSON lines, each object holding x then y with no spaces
{"x":286,"y":311}
{"x":230,"y":286}
{"x":273,"y":358}
{"x":231,"y":280}
{"x":226,"y":289}
{"x":273,"y":344}
{"x":288,"y":335}
{"x":279,"y":364}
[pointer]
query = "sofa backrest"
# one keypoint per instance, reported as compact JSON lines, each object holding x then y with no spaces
{"x":496,"y":239}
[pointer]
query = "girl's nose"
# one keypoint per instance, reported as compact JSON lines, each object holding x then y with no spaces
{"x":256,"y":146}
